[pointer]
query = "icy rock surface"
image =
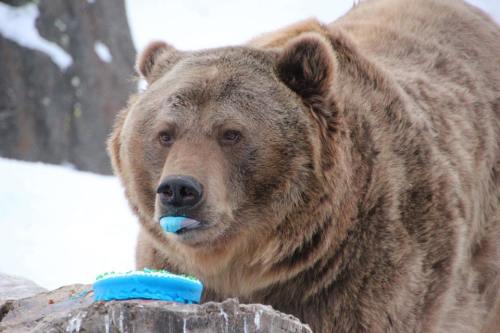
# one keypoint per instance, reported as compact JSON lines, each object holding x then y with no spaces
{"x":72,"y":309}
{"x":15,"y":287}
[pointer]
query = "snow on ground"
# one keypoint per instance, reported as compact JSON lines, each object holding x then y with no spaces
{"x":18,"y":24}
{"x":61,"y":226}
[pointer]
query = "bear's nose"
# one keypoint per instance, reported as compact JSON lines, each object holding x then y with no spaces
{"x":180,"y":191}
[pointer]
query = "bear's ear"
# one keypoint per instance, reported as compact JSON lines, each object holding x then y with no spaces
{"x":306,"y":65}
{"x":156,"y":59}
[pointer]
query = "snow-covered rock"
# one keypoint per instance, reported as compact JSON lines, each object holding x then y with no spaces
{"x":66,"y":70}
{"x":18,"y":24}
{"x":71,"y":309}
{"x":15,"y":287}
{"x":103,"y":51}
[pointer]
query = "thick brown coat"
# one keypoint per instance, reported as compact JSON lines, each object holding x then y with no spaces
{"x":364,"y":195}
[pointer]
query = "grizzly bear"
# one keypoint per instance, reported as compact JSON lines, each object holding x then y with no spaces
{"x":348,"y":174}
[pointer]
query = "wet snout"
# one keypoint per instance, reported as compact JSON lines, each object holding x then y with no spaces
{"x":180,"y":192}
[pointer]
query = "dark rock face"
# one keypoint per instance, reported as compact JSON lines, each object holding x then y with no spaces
{"x":16,"y":2}
{"x":58,"y":115}
{"x":71,"y":309}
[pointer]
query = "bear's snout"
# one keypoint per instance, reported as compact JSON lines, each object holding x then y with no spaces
{"x":180,"y":192}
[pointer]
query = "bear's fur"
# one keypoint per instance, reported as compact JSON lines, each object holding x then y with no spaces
{"x":362,"y":193}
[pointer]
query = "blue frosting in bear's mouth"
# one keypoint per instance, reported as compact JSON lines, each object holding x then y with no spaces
{"x":178,"y":224}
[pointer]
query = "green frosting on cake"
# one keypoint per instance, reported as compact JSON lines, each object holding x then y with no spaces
{"x":145,"y":271}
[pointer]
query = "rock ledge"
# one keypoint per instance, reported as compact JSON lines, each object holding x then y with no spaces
{"x":72,"y":309}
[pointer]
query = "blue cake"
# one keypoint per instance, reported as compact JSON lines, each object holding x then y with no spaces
{"x":147,"y":284}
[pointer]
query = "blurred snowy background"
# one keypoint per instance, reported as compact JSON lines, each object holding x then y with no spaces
{"x":196,"y":24}
{"x":59,"y":225}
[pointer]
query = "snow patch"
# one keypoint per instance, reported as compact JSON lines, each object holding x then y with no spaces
{"x":18,"y":25}
{"x":75,"y":322}
{"x":107,"y":323}
{"x":75,"y":81}
{"x":64,"y":226}
{"x":142,"y":85}
{"x":60,"y":25}
{"x":120,"y":322}
{"x":226,"y":318}
{"x":257,"y":319}
{"x":103,"y":51}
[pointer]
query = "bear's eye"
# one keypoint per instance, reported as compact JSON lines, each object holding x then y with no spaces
{"x":230,"y":137}
{"x":166,"y":138}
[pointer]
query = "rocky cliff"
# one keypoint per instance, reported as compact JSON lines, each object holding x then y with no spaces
{"x":66,"y":68}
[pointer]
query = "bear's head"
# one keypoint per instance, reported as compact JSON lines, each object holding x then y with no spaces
{"x":231,"y":137}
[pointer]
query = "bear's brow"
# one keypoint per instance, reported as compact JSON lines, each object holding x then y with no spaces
{"x":180,"y":98}
{"x":227,"y":87}
{"x":200,"y":91}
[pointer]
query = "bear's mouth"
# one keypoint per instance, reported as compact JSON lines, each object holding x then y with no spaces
{"x":179,"y":224}
{"x":185,"y":230}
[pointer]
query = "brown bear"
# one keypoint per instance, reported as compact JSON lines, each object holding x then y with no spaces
{"x":348,"y":174}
